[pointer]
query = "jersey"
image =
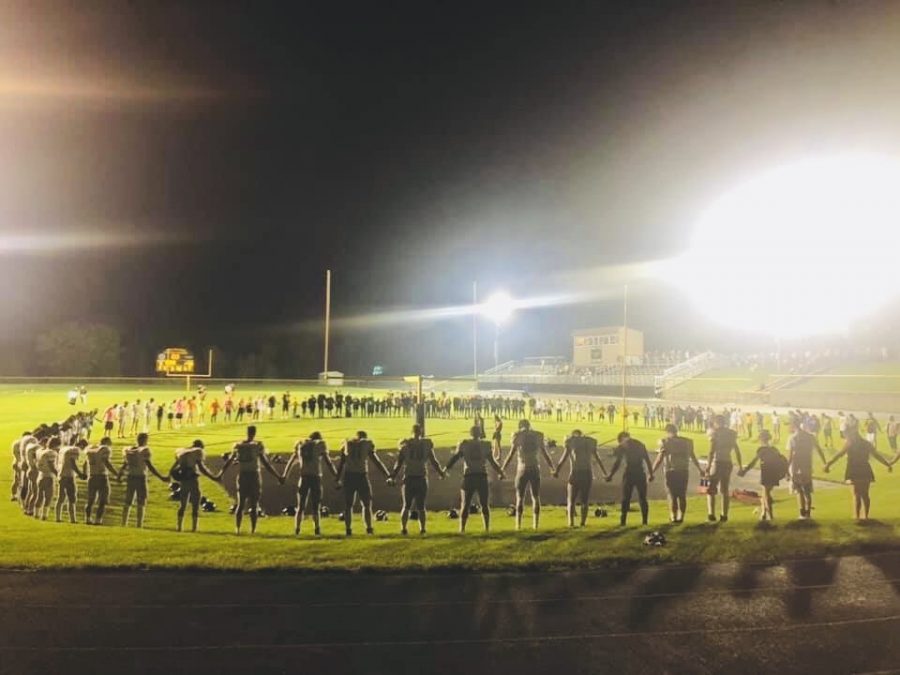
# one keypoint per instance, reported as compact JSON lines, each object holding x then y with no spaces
{"x":29,"y":456}
{"x":581,"y":452}
{"x":415,"y":453}
{"x":527,"y":445}
{"x":309,"y":456}
{"x":634,"y":454}
{"x":801,"y":445}
{"x":17,"y":454}
{"x":474,"y":454}
{"x":355,"y":455}
{"x":188,"y":459}
{"x":97,"y":458}
{"x":68,"y":457}
{"x":46,"y":462}
{"x":136,"y":459}
{"x":721,"y":443}
{"x":248,"y":454}
{"x":677,"y":452}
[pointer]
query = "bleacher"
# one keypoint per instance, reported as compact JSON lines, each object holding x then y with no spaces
{"x":557,"y":371}
{"x":685,"y":370}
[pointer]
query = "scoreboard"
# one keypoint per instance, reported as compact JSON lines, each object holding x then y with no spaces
{"x":175,"y":360}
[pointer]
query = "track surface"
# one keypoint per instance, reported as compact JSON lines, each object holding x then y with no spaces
{"x":829,"y":615}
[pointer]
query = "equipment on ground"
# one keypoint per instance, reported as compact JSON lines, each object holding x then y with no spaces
{"x":453,"y":514}
{"x":600,"y":512}
{"x":289,"y":510}
{"x":208,"y":506}
{"x":745,"y":496}
{"x":381,"y":515}
{"x":511,"y":510}
{"x":474,"y":509}
{"x":655,"y":539}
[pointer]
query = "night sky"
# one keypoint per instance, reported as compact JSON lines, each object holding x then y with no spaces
{"x":187,"y":171}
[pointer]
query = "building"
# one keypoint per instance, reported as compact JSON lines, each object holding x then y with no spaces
{"x":606,"y":346}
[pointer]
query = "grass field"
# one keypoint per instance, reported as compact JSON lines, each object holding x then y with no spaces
{"x":881,"y":378}
{"x":31,"y":544}
{"x":724,"y":380}
{"x":856,"y":378}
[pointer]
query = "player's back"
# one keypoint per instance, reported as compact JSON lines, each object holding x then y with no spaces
{"x":722,"y":443}
{"x":136,"y":458}
{"x":46,"y":461}
{"x":527,"y":444}
{"x":356,"y":455}
{"x":416,"y":452}
{"x":247,"y":454}
{"x":309,"y":454}
{"x":678,"y":453}
{"x":474,"y":454}
{"x":68,"y":457}
{"x":189,"y":458}
{"x":30,"y":452}
{"x":97,"y":457}
{"x":801,"y":445}
{"x":582,"y":450}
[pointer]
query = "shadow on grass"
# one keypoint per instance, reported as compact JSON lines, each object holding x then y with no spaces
{"x":806,"y":575}
{"x":666,"y":585}
{"x":746,"y":580}
{"x":801,"y":525}
{"x":873,"y":523}
{"x":889,"y":566}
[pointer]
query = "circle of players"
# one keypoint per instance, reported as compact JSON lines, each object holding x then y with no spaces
{"x":46,"y":463}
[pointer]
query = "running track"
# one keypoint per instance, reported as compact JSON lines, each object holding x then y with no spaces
{"x":830,"y":615}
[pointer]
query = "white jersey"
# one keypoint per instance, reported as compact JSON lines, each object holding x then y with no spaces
{"x":136,"y":459}
{"x":46,"y":462}
{"x":68,"y":458}
{"x":97,"y":458}
{"x":29,"y":455}
{"x":188,"y":459}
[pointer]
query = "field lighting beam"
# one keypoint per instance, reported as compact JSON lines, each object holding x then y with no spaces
{"x":499,"y":307}
{"x":802,"y":249}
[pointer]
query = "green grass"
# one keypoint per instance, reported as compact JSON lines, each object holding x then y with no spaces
{"x":725,"y":381}
{"x":27,"y":543}
{"x":882,"y":378}
{"x":856,"y":378}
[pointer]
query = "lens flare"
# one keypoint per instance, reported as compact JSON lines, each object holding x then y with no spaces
{"x":801,"y":250}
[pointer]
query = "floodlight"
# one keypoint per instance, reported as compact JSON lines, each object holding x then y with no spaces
{"x":803,"y":249}
{"x":498,"y":307}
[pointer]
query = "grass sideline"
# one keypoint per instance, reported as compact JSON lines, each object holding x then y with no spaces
{"x":33,"y":545}
{"x":881,"y":378}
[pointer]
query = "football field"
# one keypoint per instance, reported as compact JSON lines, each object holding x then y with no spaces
{"x":30,"y":544}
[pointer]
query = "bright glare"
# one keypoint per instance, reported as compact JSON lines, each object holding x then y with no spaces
{"x":498,"y":307}
{"x":801,"y":250}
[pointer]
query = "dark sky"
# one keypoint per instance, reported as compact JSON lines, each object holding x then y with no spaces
{"x":187,"y":171}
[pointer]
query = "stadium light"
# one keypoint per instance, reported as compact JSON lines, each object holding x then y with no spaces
{"x":803,"y":249}
{"x":499,"y":307}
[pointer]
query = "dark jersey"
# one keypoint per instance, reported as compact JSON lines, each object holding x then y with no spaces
{"x":723,"y":441}
{"x":635,"y":456}
{"x":676,"y":452}
{"x":581,"y":450}
{"x":416,"y":453}
{"x":474,"y":454}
